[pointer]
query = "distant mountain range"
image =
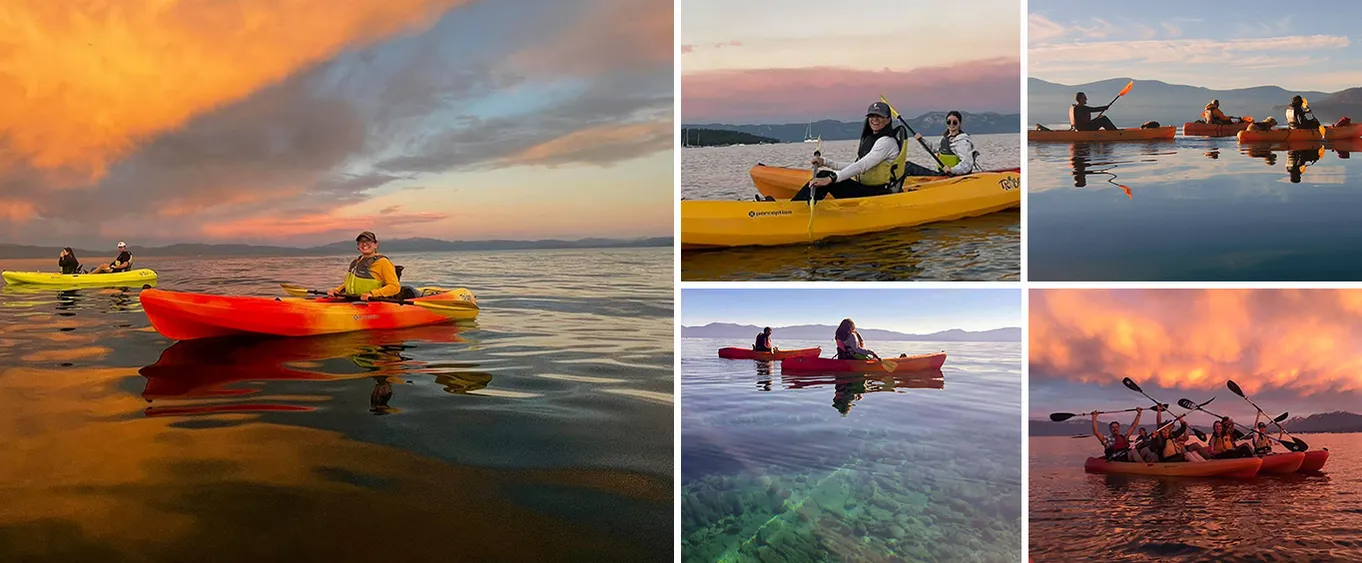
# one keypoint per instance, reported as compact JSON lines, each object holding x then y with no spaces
{"x":1338,"y":421}
{"x":930,"y":124}
{"x":824,"y":332}
{"x":342,"y":247}
{"x":1175,"y":104}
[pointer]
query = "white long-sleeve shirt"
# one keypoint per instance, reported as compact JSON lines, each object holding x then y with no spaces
{"x":963,"y":147}
{"x":884,"y":149}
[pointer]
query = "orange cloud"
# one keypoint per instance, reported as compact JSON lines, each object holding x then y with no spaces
{"x":282,"y":227}
{"x":80,"y":87}
{"x":650,"y":137}
{"x":1306,"y":341}
{"x":782,"y":93}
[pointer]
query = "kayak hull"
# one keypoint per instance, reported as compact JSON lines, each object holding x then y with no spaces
{"x":1134,"y":134}
{"x":784,"y":183}
{"x":918,"y":363}
{"x":1277,"y":464}
{"x":1314,"y":461}
{"x":1193,"y":129}
{"x":130,"y":277}
{"x":1242,"y":467}
{"x":1350,"y":131}
{"x":190,"y":316}
{"x":746,"y":354}
{"x":719,"y":224}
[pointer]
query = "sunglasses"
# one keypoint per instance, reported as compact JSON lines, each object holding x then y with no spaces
{"x":952,"y":122}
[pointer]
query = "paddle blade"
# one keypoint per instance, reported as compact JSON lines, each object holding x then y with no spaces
{"x":1061,"y":416}
{"x":1207,"y":402}
{"x":889,"y":365}
{"x":294,"y":289}
{"x":1199,"y":434}
{"x":1281,"y":417}
{"x":1126,"y":90}
{"x":1234,"y":387}
{"x":1129,"y":194}
{"x":1130,"y":384}
{"x":1300,"y":444}
{"x":1186,"y":404}
{"x":1246,"y":119}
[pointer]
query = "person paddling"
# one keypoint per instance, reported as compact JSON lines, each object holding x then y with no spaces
{"x":1298,"y":116}
{"x":879,"y":167}
{"x":1214,"y":116}
{"x":850,"y":346}
{"x":1080,"y":115}
{"x":763,"y":343}
{"x":1116,"y":446}
{"x":371,"y":274}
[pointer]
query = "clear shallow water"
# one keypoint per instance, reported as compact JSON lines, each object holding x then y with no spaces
{"x":778,"y":467}
{"x":1199,"y":209}
{"x":1078,"y":516}
{"x":979,"y":248}
{"x":541,"y":432}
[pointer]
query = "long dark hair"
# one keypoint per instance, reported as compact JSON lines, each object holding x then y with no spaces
{"x":69,"y":252}
{"x":844,"y":329}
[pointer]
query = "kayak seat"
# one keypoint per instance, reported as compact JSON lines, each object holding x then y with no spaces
{"x":399,"y":272}
{"x":408,"y":292}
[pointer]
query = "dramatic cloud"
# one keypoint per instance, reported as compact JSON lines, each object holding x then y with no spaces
{"x":794,"y":94}
{"x":1299,"y":342}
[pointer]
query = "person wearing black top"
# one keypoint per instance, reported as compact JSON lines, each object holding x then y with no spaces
{"x":763,"y":343}
{"x":68,"y":262}
{"x":1080,"y":115}
{"x":122,"y":263}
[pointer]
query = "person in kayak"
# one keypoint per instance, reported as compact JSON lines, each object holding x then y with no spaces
{"x":1142,"y":445}
{"x":1214,"y":116}
{"x":370,"y":275}
{"x":68,"y":262}
{"x":956,"y":150}
{"x":1262,"y":445}
{"x":1173,"y":444}
{"x":122,"y":263}
{"x":1300,"y":117}
{"x":1080,"y":115}
{"x":1116,"y":446}
{"x":850,"y":346}
{"x":880,"y":163}
{"x":763,"y":343}
{"x":1222,"y":441}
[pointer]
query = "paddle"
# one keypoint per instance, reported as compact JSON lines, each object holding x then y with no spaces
{"x":895,"y":113}
{"x":889,"y":365}
{"x":1063,"y":416}
{"x":1124,"y":91}
{"x":813,"y":190}
{"x":437,"y":306}
{"x":1186,"y":404}
{"x":1234,"y":387}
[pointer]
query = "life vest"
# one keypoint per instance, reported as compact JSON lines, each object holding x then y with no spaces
{"x":1120,"y":442}
{"x":360,"y":280}
{"x":1213,"y":115}
{"x":946,"y":153}
{"x":888,"y":171}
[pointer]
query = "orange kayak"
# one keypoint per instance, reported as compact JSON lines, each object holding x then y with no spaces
{"x":1195,"y":129}
{"x":1133,"y":134}
{"x":748,"y":354}
{"x":188,"y":316}
{"x":921,"y":362}
{"x":1314,"y":461}
{"x":784,"y":183}
{"x":1281,"y":463}
{"x":1350,"y":131}
{"x":1241,"y":467}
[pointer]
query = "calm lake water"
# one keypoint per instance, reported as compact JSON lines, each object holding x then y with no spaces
{"x":778,"y":467}
{"x":544,"y":431}
{"x":1075,"y":516}
{"x":1199,"y":209}
{"x":980,"y":248}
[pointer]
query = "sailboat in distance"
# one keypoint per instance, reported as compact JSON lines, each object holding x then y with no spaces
{"x":808,"y":134}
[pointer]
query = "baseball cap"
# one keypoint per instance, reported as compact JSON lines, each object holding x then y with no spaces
{"x":122,"y":244}
{"x":366,"y":235}
{"x":878,"y":108}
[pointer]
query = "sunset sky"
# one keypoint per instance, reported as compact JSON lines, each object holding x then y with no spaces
{"x":307,"y":121}
{"x":932,"y":310}
{"x":786,"y":61}
{"x":1290,"y":350}
{"x":1312,"y":46}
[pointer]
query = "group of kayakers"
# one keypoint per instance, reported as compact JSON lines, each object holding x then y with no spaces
{"x":69,"y":264}
{"x":881,"y":159}
{"x":850,"y":345}
{"x":1298,"y":116}
{"x":1169,"y":444}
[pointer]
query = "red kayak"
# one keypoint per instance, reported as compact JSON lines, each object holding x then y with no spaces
{"x":1314,"y":461}
{"x":1195,"y":129}
{"x":921,"y":362}
{"x":1281,"y":463}
{"x":1239,"y":467}
{"x":747,"y":354}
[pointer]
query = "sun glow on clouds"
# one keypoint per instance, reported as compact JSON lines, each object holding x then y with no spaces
{"x":1306,"y":341}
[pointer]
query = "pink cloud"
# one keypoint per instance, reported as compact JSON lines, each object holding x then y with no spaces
{"x":767,"y":95}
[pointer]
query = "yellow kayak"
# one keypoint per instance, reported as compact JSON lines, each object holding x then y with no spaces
{"x":784,"y":183}
{"x":708,"y":224}
{"x":81,"y":280}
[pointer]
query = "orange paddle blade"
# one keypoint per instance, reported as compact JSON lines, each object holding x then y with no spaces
{"x":1126,"y":90}
{"x":1128,"y":192}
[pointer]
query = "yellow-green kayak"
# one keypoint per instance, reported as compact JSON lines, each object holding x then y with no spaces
{"x":770,"y":223}
{"x":81,"y":280}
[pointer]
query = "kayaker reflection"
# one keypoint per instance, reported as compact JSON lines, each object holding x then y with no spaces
{"x":763,"y":343}
{"x":879,"y":167}
{"x":850,"y":346}
{"x":382,"y":393}
{"x":371,"y":274}
{"x":1116,"y":445}
{"x":1080,"y":115}
{"x":1299,"y":116}
{"x":68,"y":262}
{"x":1298,"y":161}
{"x":846,"y":391}
{"x":122,"y":263}
{"x":955,"y":150}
